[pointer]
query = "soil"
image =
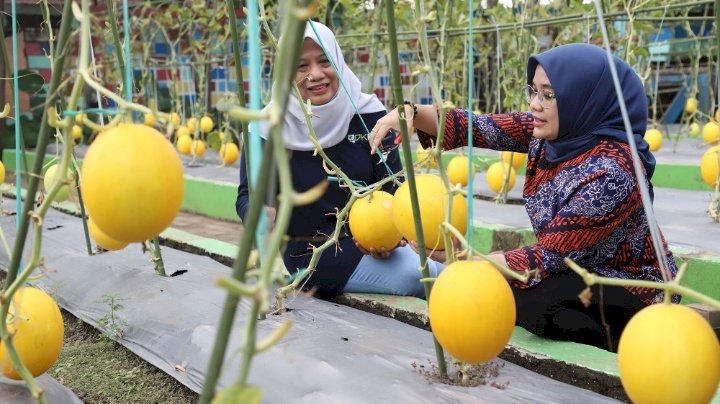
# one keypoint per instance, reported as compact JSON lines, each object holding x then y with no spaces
{"x":465,"y":376}
{"x":99,"y":370}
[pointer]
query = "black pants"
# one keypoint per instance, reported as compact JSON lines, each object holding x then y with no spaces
{"x":553,"y":310}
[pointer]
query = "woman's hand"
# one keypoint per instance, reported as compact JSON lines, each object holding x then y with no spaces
{"x":440,"y":255}
{"x":498,"y":257}
{"x":382,"y":253}
{"x":423,"y":118}
{"x":270,"y":212}
{"x":389,"y":122}
{"x":435,"y":255}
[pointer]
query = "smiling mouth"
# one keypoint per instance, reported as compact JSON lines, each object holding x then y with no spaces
{"x":318,"y":89}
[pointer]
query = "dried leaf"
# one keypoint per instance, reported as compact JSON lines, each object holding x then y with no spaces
{"x":585,"y":296}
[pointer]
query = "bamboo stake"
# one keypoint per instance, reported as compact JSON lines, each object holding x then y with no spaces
{"x":407,"y":156}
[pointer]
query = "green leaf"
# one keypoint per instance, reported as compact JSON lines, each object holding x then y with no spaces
{"x":30,"y":81}
{"x":237,"y":394}
{"x":214,"y":141}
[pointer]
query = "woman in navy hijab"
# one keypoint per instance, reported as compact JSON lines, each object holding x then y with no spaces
{"x":580,"y":191}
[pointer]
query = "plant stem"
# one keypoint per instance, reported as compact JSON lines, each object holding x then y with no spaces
{"x":317,"y":252}
{"x":83,"y":72}
{"x":41,"y":146}
{"x":83,"y":215}
{"x":239,"y":268}
{"x":287,"y":59}
{"x":672,"y":286}
{"x":4,"y":67}
{"x":116,"y":36}
{"x":232,"y":20}
{"x":407,"y":156}
{"x":157,"y":257}
{"x":7,"y":298}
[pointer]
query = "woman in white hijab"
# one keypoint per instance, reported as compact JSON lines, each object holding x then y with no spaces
{"x":341,"y":116}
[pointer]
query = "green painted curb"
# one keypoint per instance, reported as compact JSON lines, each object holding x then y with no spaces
{"x":414,"y":311}
{"x":675,"y":176}
{"x":210,"y":198}
{"x":210,"y":246}
{"x":586,"y":356}
{"x":8,"y":159}
{"x":487,"y":238}
{"x":703,"y":273}
{"x":678,"y":176}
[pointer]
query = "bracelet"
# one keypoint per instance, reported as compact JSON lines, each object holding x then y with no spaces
{"x":414,"y":107}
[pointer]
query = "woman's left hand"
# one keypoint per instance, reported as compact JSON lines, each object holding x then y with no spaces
{"x":498,"y":257}
{"x":382,"y":253}
{"x":390,"y":123}
{"x":440,"y":255}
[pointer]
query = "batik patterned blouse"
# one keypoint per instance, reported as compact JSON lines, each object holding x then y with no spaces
{"x":587,"y":208}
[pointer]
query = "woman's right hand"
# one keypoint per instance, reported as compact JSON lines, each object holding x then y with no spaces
{"x":378,"y":254}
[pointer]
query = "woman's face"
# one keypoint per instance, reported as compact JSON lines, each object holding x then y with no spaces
{"x":315,"y":76}
{"x":546,"y":123}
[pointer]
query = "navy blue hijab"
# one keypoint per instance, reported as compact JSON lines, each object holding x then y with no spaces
{"x":587,"y":104}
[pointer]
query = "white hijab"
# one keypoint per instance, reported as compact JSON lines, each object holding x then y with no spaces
{"x":330,"y":120}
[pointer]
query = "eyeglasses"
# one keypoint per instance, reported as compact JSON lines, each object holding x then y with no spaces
{"x":545,"y":98}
